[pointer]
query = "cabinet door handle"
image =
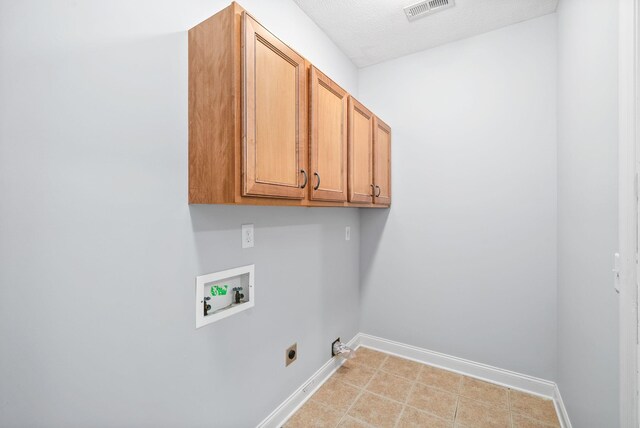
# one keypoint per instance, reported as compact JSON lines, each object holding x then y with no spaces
{"x":373,"y":190}
{"x":306,"y":179}
{"x":379,"y":190}
{"x":317,"y":185}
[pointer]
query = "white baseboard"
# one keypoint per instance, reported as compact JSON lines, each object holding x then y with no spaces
{"x":560,"y":409}
{"x":279,"y":416}
{"x":513,"y":380}
{"x":470,"y":368}
{"x":491,"y":374}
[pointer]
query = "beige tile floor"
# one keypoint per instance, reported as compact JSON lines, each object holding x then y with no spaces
{"x":381,"y":390}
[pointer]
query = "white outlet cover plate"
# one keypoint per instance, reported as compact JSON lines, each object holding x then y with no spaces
{"x":347,"y":233}
{"x":247,"y":236}
{"x":244,"y":275}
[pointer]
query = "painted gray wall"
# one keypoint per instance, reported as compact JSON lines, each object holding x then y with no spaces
{"x":587,"y":214}
{"x":100,"y":250}
{"x":465,"y":261}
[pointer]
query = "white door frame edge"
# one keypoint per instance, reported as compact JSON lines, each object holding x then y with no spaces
{"x":629,"y":54}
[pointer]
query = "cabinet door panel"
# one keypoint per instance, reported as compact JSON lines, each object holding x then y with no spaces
{"x":274,"y":137}
{"x":360,"y":153}
{"x":328,"y":144}
{"x":382,"y":162}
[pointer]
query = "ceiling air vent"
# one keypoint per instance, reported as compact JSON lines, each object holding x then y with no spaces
{"x":427,"y":7}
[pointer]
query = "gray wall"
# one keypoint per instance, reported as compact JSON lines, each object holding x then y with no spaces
{"x":99,"y":249}
{"x":465,"y":261}
{"x":587,"y":215}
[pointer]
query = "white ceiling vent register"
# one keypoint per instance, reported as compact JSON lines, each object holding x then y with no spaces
{"x":427,"y":7}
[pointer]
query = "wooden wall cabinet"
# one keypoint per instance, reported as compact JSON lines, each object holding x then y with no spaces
{"x":328,"y":138}
{"x":361,"y":189}
{"x":369,"y":157}
{"x":381,"y":162}
{"x":274,"y":122}
{"x":268,"y":128}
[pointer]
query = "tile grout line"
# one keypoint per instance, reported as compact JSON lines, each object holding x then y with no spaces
{"x":406,"y":399}
{"x":362,"y":391}
{"x":510,"y":411}
{"x":386,"y":397}
{"x":414,"y":383}
{"x":346,"y":413}
{"x":527,"y":416}
{"x":455,"y":414}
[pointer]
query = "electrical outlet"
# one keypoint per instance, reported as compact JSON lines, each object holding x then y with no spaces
{"x":291,"y":354}
{"x":347,"y":233}
{"x":247,"y":236}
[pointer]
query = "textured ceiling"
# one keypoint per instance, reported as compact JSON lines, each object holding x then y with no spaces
{"x":372,"y":31}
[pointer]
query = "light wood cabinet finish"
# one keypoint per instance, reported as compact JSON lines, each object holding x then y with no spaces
{"x":328,"y":138}
{"x":360,"y":153}
{"x":213,"y":109}
{"x":274,"y":121}
{"x":381,"y":162}
{"x":260,"y":115}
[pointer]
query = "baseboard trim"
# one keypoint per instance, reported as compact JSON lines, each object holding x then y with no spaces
{"x":481,"y":371}
{"x":470,"y":368}
{"x":279,"y":416}
{"x":560,"y":409}
{"x":507,"y":378}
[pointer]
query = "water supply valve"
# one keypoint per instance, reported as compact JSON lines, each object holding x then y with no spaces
{"x":207,"y":306}
{"x":237,"y":295}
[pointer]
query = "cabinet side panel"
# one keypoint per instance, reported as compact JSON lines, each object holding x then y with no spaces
{"x":212,"y":137}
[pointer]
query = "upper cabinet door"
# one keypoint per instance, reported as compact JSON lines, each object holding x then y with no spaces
{"x":381,"y":162}
{"x":328,"y":145}
{"x":274,"y":131}
{"x":360,"y":153}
